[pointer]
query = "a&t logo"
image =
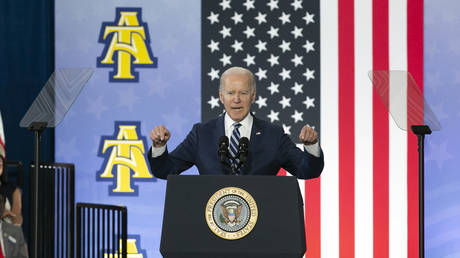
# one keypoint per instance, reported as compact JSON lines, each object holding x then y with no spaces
{"x":133,"y":249}
{"x":123,"y":153}
{"x":127,"y":45}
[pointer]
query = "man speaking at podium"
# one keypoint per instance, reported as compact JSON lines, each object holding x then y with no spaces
{"x":237,"y":142}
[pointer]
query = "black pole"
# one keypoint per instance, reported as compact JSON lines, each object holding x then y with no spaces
{"x":421,"y":194}
{"x":37,"y":128}
{"x":420,"y":131}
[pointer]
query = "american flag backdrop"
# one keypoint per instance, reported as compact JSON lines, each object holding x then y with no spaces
{"x":311,"y":60}
{"x":279,"y":44}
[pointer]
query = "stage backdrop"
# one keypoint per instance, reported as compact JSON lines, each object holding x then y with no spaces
{"x":442,"y":76}
{"x":106,"y":131}
{"x":158,"y":62}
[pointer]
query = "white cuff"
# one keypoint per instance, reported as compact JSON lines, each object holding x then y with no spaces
{"x":313,"y":149}
{"x":158,"y":151}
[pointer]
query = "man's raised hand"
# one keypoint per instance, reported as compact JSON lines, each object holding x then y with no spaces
{"x":159,"y":136}
{"x":308,"y":135}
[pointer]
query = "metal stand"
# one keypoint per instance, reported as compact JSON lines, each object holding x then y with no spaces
{"x":421,"y":131}
{"x":230,"y":163}
{"x":37,"y":128}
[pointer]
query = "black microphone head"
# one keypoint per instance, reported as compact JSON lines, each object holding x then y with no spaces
{"x":223,"y":141}
{"x":243,"y":149}
{"x":244,"y":142}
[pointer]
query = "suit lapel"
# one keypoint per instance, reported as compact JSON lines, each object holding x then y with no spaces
{"x":256,"y":132}
{"x":220,"y":128}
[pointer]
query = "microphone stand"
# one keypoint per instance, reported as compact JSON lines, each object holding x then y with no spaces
{"x":35,"y":245}
{"x":242,"y":152}
{"x":225,"y":162}
{"x":232,"y":159}
{"x":234,"y":169}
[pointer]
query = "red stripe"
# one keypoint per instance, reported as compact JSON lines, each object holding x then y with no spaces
{"x":281,"y":172}
{"x":313,"y":217}
{"x":415,"y":67}
{"x":346,"y":129}
{"x":380,"y":53}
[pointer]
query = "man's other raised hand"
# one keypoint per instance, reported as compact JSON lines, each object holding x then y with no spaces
{"x":308,"y":135}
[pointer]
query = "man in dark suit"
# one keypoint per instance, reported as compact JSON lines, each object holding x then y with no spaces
{"x":269,"y":148}
{"x":12,"y":243}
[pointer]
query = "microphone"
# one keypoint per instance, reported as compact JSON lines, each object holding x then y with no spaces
{"x":243,"y":149}
{"x":223,"y":148}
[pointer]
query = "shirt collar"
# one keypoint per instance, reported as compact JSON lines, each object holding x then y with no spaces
{"x":246,"y":122}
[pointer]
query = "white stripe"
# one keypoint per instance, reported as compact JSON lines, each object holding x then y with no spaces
{"x":363,"y":131}
{"x":329,"y":129}
{"x":398,"y":137}
{"x":234,"y":138}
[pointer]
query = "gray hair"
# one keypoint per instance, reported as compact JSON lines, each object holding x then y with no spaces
{"x":238,"y":70}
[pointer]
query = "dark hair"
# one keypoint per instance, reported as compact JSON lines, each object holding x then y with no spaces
{"x":4,"y":176}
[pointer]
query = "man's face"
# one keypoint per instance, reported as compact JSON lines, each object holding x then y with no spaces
{"x":236,"y":96}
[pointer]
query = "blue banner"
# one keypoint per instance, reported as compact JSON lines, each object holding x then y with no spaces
{"x":145,"y":54}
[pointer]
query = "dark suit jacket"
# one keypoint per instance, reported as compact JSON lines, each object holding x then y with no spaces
{"x":269,"y":150}
{"x":13,"y":241}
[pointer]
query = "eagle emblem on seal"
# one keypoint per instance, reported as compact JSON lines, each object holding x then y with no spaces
{"x":231,"y":212}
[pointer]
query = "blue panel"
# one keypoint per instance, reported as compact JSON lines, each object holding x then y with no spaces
{"x":442,"y":163}
{"x":167,"y":93}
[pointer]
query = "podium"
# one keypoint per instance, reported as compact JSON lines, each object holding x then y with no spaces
{"x":265,"y":218}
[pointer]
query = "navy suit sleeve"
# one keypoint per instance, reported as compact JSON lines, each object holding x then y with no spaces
{"x":299,"y":163}
{"x":179,"y":160}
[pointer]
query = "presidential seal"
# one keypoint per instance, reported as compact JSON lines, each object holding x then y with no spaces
{"x":231,"y":213}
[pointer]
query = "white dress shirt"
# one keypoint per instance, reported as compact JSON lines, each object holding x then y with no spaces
{"x":245,"y":128}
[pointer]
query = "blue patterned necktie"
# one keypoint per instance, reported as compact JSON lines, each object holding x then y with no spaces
{"x":234,"y":143}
